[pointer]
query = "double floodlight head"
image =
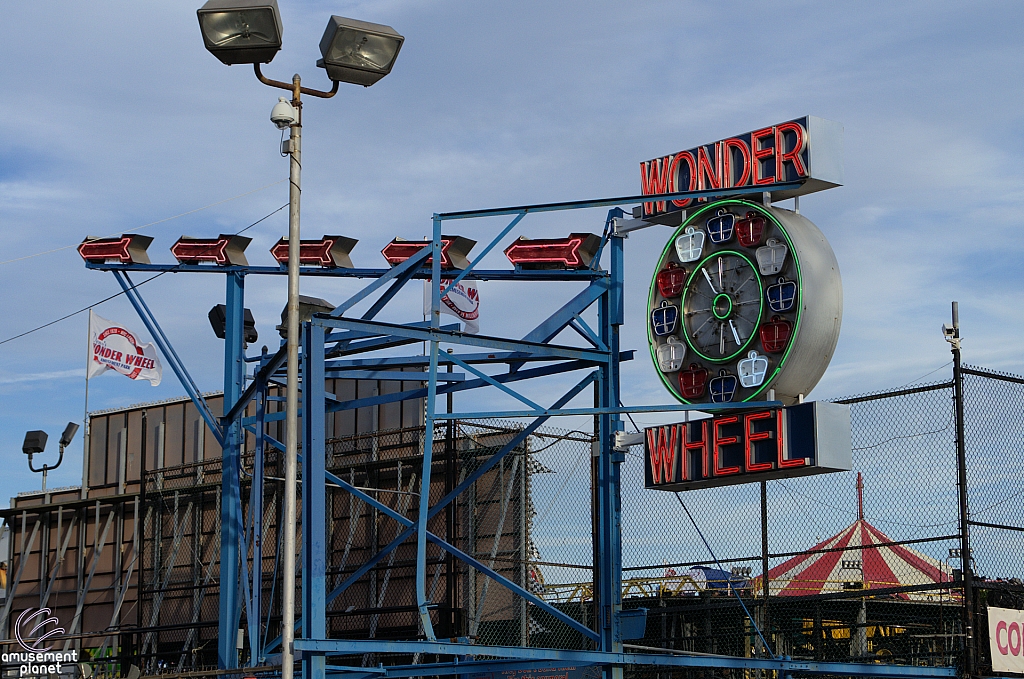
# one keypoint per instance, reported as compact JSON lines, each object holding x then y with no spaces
{"x":249,"y":32}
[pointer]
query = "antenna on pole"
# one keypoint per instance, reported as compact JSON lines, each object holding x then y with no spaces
{"x":860,"y":496}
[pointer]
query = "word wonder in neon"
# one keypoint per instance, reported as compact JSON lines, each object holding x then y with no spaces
{"x":806,"y":150}
{"x":743,"y":446}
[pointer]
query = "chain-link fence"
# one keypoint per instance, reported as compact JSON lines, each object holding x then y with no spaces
{"x":862,"y":566}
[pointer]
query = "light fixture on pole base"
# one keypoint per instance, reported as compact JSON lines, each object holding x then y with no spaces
{"x":358,"y":52}
{"x":241,"y":31}
{"x":35,"y":442}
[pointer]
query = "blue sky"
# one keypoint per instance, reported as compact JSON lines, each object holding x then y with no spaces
{"x":117,"y":117}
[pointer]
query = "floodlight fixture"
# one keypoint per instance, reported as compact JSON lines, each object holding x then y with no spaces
{"x":35,"y":442}
{"x":358,"y":52}
{"x":69,"y":433}
{"x":218,"y":321}
{"x":307,"y":307}
{"x":241,"y":31}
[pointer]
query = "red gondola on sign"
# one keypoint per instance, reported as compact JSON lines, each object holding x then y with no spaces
{"x":692,"y":381}
{"x":671,"y":280}
{"x":127,"y":249}
{"x":775,"y":334}
{"x":750,"y":229}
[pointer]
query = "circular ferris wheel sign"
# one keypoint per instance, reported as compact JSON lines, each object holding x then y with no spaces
{"x":745,"y":299}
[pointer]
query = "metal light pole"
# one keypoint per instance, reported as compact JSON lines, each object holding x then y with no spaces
{"x":357,"y":52}
{"x":952,"y":334}
{"x":292,"y":390}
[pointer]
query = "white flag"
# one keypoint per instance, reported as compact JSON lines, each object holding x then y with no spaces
{"x":462,"y":301}
{"x":114,"y":347}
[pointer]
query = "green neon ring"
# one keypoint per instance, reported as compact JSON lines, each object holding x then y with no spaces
{"x":652,"y":345}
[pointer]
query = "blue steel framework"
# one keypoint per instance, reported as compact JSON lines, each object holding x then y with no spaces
{"x":328,"y":340}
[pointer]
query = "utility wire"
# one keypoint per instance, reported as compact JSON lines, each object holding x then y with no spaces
{"x":133,"y":287}
{"x":159,"y":221}
{"x":729,"y":581}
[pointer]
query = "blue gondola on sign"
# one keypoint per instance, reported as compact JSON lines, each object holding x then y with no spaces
{"x":752,"y":370}
{"x":723,"y":387}
{"x":781,"y":295}
{"x":665,"y":318}
{"x":720,"y":227}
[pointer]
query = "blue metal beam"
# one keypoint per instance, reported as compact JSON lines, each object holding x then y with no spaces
{"x":475,"y":359}
{"x":459,"y":554}
{"x":437,"y":508}
{"x":157,"y":333}
{"x":394,"y":273}
{"x":668,"y":408}
{"x":390,"y":375}
{"x":490,"y":246}
{"x":231,"y":499}
{"x":352,"y":647}
{"x":546,"y":276}
{"x":314,"y":498}
{"x":612,"y":202}
{"x":435,"y":334}
{"x":555,"y":323}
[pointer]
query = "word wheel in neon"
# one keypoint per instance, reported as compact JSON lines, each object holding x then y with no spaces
{"x":745,"y":299}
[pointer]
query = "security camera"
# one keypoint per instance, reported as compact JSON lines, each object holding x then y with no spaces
{"x":283,"y":114}
{"x":948,"y":330}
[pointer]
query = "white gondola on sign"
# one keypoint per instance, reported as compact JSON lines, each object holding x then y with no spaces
{"x":690,"y":245}
{"x":771,"y":257}
{"x":671,"y":354}
{"x":752,"y":370}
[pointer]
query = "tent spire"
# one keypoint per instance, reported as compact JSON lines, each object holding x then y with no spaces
{"x":860,"y":497}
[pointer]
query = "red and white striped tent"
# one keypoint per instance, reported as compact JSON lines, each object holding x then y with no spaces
{"x":821,"y":571}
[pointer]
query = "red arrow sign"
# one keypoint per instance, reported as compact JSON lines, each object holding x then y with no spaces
{"x":127,"y":249}
{"x":223,"y":251}
{"x":574,"y":252}
{"x":399,"y":250}
{"x":329,"y":251}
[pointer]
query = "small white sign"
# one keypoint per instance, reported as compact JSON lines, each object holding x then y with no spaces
{"x":1006,"y":639}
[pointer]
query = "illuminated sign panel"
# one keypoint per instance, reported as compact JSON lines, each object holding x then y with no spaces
{"x":126,"y":249}
{"x":745,"y":446}
{"x":575,"y":252}
{"x":454,"y":251}
{"x":225,"y":250}
{"x":328,"y":252}
{"x":807,"y":150}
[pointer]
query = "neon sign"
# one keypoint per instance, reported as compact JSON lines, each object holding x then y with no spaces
{"x":575,"y":252}
{"x":746,"y":446}
{"x":807,"y":150}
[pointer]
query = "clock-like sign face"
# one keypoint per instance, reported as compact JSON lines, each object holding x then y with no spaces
{"x":722,"y":304}
{"x":726,"y":307}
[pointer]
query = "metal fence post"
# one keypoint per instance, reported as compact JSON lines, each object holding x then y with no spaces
{"x":961,"y":464}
